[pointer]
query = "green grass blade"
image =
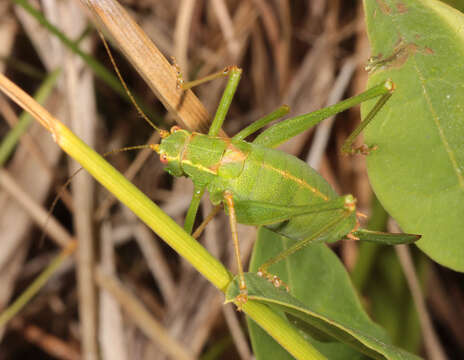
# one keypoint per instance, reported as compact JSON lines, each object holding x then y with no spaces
{"x":178,"y":239}
{"x":11,"y":139}
{"x":23,"y":67}
{"x":211,"y":268}
{"x":332,"y":310}
{"x":93,"y":63}
{"x":142,"y":206}
{"x":100,"y":71}
{"x":35,"y":287}
{"x":349,"y":328}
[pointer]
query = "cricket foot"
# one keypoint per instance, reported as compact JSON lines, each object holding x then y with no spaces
{"x":274,"y":279}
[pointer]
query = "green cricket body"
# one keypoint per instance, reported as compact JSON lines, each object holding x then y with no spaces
{"x":252,"y":172}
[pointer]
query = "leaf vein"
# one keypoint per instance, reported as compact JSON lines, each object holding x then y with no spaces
{"x":441,"y":132}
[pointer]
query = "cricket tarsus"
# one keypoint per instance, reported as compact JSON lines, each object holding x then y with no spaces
{"x":190,"y":84}
{"x":364,"y":149}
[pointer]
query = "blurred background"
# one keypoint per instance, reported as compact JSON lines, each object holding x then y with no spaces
{"x":306,"y":54}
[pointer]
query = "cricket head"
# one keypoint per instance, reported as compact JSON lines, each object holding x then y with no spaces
{"x":170,"y":150}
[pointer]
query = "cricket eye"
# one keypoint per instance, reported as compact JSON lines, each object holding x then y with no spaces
{"x":164,"y":158}
{"x":174,"y":129}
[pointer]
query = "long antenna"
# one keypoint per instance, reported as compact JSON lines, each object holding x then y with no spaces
{"x":163,"y":133}
{"x":154,"y":147}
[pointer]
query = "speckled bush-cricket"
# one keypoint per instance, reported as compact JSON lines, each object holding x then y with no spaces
{"x":257,"y":184}
{"x":261,"y":186}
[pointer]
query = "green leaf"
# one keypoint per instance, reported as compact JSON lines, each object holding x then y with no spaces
{"x":458,"y":4}
{"x":390,"y":301}
{"x":417,"y":171}
{"x":267,"y":349}
{"x":323,"y":303}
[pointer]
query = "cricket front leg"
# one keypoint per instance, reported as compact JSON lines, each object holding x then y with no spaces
{"x":198,"y":192}
{"x":285,"y":130}
{"x":243,"y":296}
{"x":233,"y":73}
{"x":262,"y":122}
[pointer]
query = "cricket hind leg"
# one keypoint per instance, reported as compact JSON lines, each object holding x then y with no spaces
{"x":263,"y":213}
{"x":349,"y":208}
{"x":285,"y":130}
{"x":243,"y":296}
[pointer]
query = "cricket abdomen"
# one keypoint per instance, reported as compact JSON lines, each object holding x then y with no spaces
{"x":274,"y":177}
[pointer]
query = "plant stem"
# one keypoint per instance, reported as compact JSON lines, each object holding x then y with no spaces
{"x":11,"y":139}
{"x":166,"y":228}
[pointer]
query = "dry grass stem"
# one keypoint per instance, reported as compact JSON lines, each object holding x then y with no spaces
{"x":26,"y":140}
{"x":322,"y":133}
{"x":82,"y":115}
{"x":303,"y":54}
{"x":141,"y":317}
{"x":236,"y":331}
{"x":447,"y":308}
{"x":159,"y":74}
{"x":156,"y":262}
{"x":181,"y":35}
{"x":41,"y":217}
{"x":227,"y":27}
{"x":130,"y":173}
{"x":432,"y":344}
{"x":47,"y":342}
{"x":111,"y":330}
